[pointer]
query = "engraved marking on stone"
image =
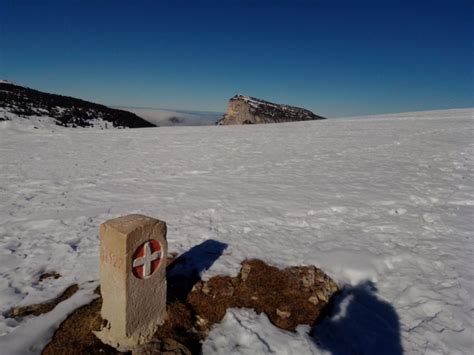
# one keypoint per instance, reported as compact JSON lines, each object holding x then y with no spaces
{"x":146,"y":259}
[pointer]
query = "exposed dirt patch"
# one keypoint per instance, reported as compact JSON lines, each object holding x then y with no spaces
{"x":37,"y":309}
{"x":49,"y":275}
{"x":289,"y":297}
{"x":179,"y":326}
{"x":74,"y":336}
{"x":296,"y":295}
{"x":166,"y":346}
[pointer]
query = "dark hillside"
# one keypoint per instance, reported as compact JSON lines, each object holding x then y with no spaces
{"x":68,"y":111}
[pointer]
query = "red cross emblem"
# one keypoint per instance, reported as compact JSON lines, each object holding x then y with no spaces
{"x":146,"y":259}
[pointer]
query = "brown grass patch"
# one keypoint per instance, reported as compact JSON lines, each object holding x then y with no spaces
{"x":74,"y":335}
{"x":49,"y":275}
{"x":289,"y":297}
{"x":292,"y":296}
{"x":40,"y":308}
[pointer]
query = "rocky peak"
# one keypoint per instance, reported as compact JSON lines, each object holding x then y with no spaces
{"x":250,"y":110}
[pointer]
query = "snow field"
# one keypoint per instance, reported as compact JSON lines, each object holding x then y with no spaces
{"x":384,"y":205}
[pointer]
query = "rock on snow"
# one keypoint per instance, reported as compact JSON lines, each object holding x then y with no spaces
{"x":384,"y":205}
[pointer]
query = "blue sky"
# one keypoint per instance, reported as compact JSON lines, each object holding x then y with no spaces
{"x":336,"y":58}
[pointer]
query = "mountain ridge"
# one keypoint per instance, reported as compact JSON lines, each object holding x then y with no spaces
{"x":244,"y":109}
{"x":66,"y":111}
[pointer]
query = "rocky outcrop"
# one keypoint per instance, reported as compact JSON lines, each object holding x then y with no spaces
{"x":249,"y":110}
{"x":65,"y":111}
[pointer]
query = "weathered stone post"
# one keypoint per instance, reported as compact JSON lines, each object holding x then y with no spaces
{"x":133,"y":253}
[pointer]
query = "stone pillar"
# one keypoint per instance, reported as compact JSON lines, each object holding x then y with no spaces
{"x":133,"y":252}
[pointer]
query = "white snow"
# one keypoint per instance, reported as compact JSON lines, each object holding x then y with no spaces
{"x":242,"y":331}
{"x":255,"y":103}
{"x":36,"y":332}
{"x":17,"y":122}
{"x":258,"y":103}
{"x":28,"y":123}
{"x":384,"y":205}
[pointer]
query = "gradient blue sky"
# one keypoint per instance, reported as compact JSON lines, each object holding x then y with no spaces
{"x":336,"y":58}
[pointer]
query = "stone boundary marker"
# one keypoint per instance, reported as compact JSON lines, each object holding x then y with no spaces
{"x":133,"y":252}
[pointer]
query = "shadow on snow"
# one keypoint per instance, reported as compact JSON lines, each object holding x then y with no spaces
{"x":358,"y":322}
{"x":186,"y":270}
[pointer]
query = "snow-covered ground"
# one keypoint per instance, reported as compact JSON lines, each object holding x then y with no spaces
{"x":384,"y":205}
{"x":44,"y":121}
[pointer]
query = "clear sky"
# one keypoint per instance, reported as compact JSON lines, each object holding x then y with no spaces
{"x":336,"y":58}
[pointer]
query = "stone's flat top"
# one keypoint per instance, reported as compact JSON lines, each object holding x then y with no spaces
{"x":127,"y":224}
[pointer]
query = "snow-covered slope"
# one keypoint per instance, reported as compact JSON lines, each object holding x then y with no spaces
{"x":20,"y":103}
{"x":383,"y":205}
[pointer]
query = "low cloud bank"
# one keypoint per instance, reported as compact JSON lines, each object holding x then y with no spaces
{"x":162,"y":117}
